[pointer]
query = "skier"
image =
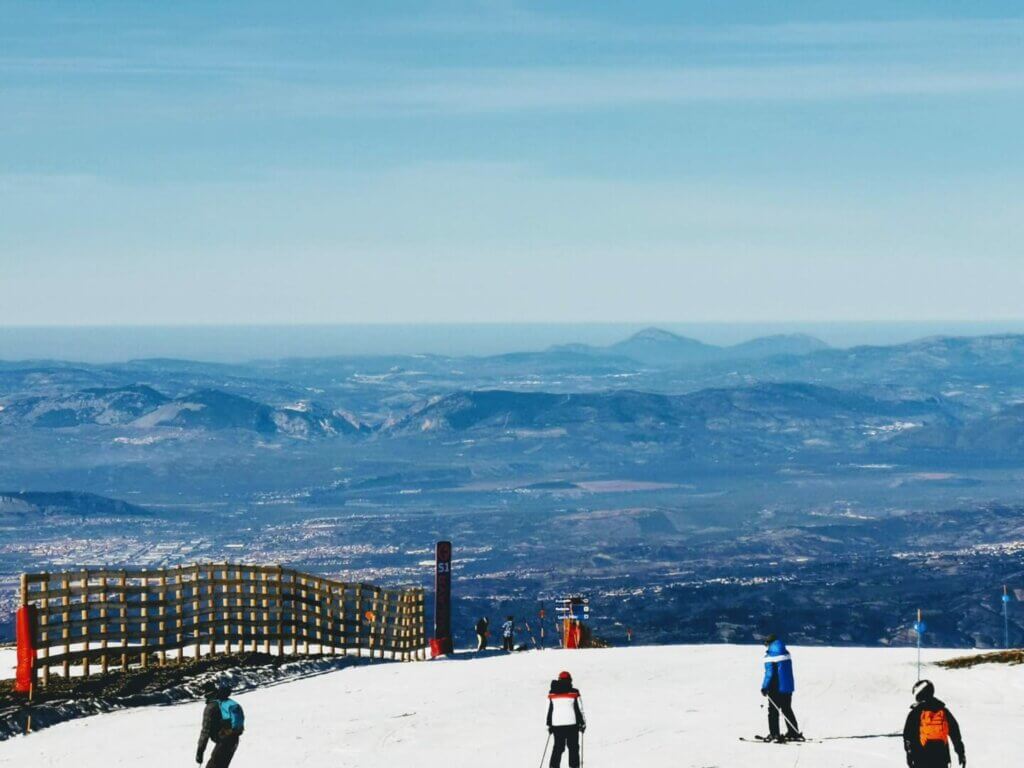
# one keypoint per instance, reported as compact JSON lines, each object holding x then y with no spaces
{"x":508,"y":634}
{"x":928,"y":730}
{"x":481,"y":633}
{"x":778,"y":685}
{"x":565,"y":720}
{"x":223,"y":724}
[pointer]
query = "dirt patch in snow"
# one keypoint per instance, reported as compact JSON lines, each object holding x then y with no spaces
{"x":998,"y":657}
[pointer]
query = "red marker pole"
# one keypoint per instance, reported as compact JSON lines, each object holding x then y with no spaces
{"x":441,"y":643}
{"x":25,"y":631}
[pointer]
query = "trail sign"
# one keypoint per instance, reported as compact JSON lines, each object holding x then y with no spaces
{"x":442,"y":641}
{"x":574,"y":610}
{"x":573,"y":607}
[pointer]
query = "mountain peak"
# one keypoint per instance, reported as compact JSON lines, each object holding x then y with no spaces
{"x":656,"y":335}
{"x":656,"y":346}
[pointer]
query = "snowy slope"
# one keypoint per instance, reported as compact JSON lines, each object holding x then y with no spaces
{"x":650,"y":707}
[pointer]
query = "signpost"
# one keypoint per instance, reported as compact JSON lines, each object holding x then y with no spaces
{"x":441,"y":643}
{"x":573,"y":611}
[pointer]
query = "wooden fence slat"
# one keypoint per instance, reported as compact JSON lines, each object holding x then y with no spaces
{"x":44,"y":624}
{"x":124,"y":620}
{"x":279,"y":576}
{"x":104,"y":628}
{"x":265,"y":605}
{"x":179,"y":595}
{"x":85,"y":616}
{"x":144,"y":625}
{"x":65,"y":632}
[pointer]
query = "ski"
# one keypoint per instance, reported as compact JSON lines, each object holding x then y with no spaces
{"x":763,"y":740}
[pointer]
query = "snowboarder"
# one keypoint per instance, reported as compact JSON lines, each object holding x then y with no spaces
{"x":565,"y":720}
{"x":778,"y":685}
{"x":481,"y":633}
{"x":223,"y":724}
{"x":508,"y":634}
{"x":929,"y":729}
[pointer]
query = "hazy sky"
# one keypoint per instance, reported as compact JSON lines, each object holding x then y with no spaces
{"x":198,"y":162}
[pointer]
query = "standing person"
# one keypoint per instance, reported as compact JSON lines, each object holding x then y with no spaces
{"x":565,"y":720}
{"x":481,"y":633}
{"x":508,"y":630}
{"x":778,"y":685}
{"x":223,"y":724}
{"x":929,"y":729}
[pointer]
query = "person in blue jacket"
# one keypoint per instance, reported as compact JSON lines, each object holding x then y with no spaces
{"x":778,"y":685}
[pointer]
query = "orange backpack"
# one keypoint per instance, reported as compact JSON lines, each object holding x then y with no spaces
{"x":933,"y":726}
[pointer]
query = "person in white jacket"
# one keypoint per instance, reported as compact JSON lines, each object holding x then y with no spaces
{"x":565,"y":720}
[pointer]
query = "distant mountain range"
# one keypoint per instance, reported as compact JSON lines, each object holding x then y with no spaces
{"x":33,"y":504}
{"x":939,"y":394}
{"x":654,"y":346}
{"x":765,"y":417}
{"x":144,"y":407}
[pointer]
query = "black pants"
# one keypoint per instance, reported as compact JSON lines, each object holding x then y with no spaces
{"x":222,"y":753}
{"x":566,"y":736}
{"x":481,"y":641}
{"x":783,"y":701}
{"x":933,"y":755}
{"x":507,"y":644}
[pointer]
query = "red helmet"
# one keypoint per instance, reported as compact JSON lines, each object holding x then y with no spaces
{"x":563,"y":675}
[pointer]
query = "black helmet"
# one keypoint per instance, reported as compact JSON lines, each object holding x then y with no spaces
{"x":219,"y":690}
{"x":924,"y":690}
{"x":769,"y":639}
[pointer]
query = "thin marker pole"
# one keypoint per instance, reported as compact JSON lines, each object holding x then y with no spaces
{"x":1006,"y":618}
{"x":918,"y":643}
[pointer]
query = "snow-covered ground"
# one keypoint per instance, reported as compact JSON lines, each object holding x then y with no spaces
{"x":8,"y":662}
{"x":648,"y":707}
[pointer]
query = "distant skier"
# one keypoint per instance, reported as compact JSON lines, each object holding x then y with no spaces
{"x":482,"y":631}
{"x":508,"y":634}
{"x":778,"y":685}
{"x":565,"y":720}
{"x":223,"y":724}
{"x":929,"y":729}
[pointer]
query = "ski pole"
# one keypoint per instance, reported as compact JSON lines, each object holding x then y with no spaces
{"x":788,"y":721}
{"x":545,"y":752}
{"x":583,"y":741}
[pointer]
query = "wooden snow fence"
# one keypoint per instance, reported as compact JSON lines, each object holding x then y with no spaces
{"x":91,"y":621}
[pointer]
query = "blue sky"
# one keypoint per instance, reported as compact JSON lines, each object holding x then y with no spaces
{"x":400,"y":162}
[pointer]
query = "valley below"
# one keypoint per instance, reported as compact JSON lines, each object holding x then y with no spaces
{"x":694,"y":495}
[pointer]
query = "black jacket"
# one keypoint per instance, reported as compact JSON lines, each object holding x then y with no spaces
{"x":212,"y":724}
{"x":933,"y":753}
{"x":481,"y":626}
